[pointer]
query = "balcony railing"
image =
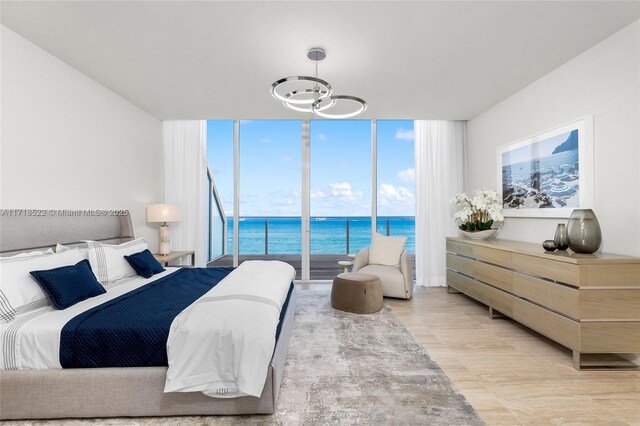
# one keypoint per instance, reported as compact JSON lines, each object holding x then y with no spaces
{"x":217,"y":244}
{"x":329,"y":235}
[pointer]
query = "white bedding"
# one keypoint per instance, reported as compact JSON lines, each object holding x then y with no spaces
{"x":232,"y":358}
{"x":32,"y":340}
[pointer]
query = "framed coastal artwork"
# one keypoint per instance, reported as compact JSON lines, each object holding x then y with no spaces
{"x":548,"y":174}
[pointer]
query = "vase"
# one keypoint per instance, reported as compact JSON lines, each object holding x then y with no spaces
{"x":549,"y":245}
{"x":561,"y":238}
{"x":479,"y":235}
{"x":584,"y":231}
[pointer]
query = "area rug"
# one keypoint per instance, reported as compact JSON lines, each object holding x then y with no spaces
{"x":347,"y":369}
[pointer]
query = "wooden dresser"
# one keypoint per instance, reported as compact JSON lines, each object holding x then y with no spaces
{"x":589,"y":303}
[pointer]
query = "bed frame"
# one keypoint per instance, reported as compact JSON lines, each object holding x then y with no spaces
{"x":111,"y":392}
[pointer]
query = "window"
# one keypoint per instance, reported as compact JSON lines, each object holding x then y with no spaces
{"x":220,"y":159}
{"x":270,"y":199}
{"x":396,"y":180}
{"x":340,"y":195}
{"x":340,"y":189}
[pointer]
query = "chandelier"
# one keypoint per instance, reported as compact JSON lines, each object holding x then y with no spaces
{"x":314,"y":95}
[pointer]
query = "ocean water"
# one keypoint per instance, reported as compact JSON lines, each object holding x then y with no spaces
{"x":328,"y":234}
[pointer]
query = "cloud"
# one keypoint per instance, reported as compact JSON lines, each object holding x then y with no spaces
{"x":395,"y":200}
{"x":341,"y":189}
{"x":286,"y":159}
{"x":404,"y":134}
{"x":316,"y":193}
{"x":407,"y":175}
{"x":339,"y":199}
{"x":322,"y":137}
{"x":265,"y":140}
{"x":276,"y":203}
{"x":344,"y":192}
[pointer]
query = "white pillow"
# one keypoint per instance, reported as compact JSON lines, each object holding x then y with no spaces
{"x":108,"y":262}
{"x":386,"y":250}
{"x":84,"y":249}
{"x":19,"y":292}
{"x":28,"y":254}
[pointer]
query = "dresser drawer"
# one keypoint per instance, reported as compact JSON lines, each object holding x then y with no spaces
{"x":460,"y":248}
{"x":556,"y":327}
{"x":494,"y":275}
{"x":489,"y":255}
{"x":600,"y":275}
{"x":485,"y":254}
{"x":605,"y":304}
{"x":610,"y":337}
{"x":488,"y":295}
{"x":554,"y":296}
{"x":489,"y":274}
{"x":460,"y":264}
{"x":547,"y":268}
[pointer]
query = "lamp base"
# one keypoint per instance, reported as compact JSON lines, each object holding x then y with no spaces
{"x":164,"y":240}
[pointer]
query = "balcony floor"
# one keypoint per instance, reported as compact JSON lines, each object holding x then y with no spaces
{"x":323,"y":266}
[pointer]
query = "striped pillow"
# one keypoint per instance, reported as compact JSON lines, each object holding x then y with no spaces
{"x":19,"y":292}
{"x":108,"y":262}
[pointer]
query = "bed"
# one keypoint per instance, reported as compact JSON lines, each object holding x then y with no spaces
{"x":113,"y":392}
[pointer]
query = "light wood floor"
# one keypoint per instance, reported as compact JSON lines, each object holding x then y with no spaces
{"x":510,"y":374}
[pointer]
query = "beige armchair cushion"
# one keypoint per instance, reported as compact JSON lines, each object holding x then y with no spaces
{"x":396,"y":281}
{"x":386,"y":250}
{"x":391,"y":278}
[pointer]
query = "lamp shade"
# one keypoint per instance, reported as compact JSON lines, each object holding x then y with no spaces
{"x":163,"y":213}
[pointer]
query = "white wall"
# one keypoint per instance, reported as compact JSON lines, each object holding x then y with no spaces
{"x":68,"y":142}
{"x":604,"y":82}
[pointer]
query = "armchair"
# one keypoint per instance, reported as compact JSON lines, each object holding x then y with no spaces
{"x":397,"y":281}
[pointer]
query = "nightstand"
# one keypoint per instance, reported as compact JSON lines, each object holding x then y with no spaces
{"x":166,"y":258}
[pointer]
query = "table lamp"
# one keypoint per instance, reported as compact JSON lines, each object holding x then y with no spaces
{"x":163,"y":213}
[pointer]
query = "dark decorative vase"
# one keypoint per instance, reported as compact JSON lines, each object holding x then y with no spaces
{"x":549,"y":245}
{"x":561,"y":238}
{"x":584,"y":231}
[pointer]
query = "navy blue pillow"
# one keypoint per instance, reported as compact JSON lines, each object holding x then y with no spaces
{"x":144,"y":263}
{"x":69,"y":285}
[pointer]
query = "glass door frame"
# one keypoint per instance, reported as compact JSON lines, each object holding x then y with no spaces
{"x":305,"y":193}
{"x":306,"y":197}
{"x":306,"y":201}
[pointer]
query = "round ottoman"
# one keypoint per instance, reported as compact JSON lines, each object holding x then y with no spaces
{"x":357,"y":293}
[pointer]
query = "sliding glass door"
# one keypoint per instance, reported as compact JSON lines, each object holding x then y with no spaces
{"x":340,"y":193}
{"x":269,"y":190}
{"x":310,"y":192}
{"x":396,"y":180}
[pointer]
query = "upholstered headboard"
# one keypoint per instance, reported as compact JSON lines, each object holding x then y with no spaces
{"x":20,"y":231}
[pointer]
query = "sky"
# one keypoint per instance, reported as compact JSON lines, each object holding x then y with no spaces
{"x":340,"y":167}
{"x":537,"y":150}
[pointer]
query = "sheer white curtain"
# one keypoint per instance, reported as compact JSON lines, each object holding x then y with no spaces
{"x":440,"y":171}
{"x":185,"y":184}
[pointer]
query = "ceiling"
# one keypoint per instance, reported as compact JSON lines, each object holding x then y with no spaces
{"x":438,"y":60}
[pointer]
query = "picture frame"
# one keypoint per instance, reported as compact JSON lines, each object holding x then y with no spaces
{"x":548,"y":174}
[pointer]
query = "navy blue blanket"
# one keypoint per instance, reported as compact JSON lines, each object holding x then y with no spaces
{"x":132,"y":330}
